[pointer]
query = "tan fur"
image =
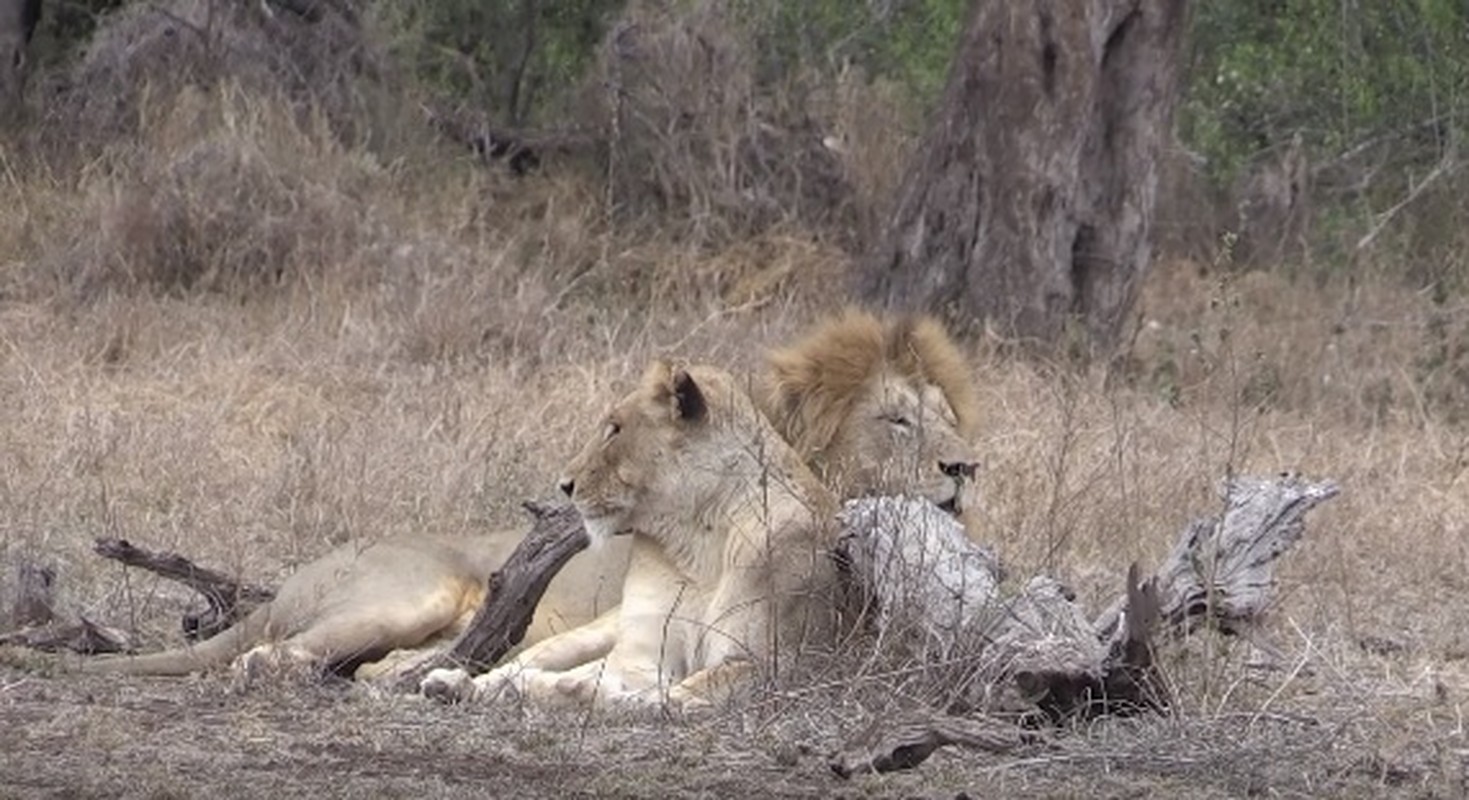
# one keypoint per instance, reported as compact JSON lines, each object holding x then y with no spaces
{"x":730,"y":569}
{"x":360,"y":604}
{"x":878,"y":406}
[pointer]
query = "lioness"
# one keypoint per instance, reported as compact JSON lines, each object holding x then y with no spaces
{"x":730,"y":563}
{"x":349,"y":610}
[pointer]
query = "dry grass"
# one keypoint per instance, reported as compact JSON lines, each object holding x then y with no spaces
{"x":236,"y":337}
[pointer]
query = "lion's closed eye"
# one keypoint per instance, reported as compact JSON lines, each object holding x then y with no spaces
{"x":899,"y":420}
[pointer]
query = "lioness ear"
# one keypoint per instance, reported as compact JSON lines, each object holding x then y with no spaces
{"x":688,"y":397}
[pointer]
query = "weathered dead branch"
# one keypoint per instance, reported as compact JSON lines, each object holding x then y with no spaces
{"x":228,"y":599}
{"x":909,"y":742}
{"x":923,"y":578}
{"x":84,"y":637}
{"x":513,"y":592}
{"x":1037,"y":651}
{"x":1221,"y":572}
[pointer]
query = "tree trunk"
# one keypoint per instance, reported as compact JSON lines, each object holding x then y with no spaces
{"x":1031,"y":200}
{"x":17,"y":22}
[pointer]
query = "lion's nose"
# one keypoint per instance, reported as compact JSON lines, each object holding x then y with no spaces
{"x":567,"y":486}
{"x":959,"y":469}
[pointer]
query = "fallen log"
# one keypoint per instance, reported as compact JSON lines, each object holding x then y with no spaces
{"x":510,"y":598}
{"x":228,"y":599}
{"x":1037,"y":651}
{"x":916,"y":572}
{"x":521,"y":150}
{"x":84,"y":637}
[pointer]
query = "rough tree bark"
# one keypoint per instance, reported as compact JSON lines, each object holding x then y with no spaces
{"x":17,"y":22}
{"x":35,"y":595}
{"x":1031,"y":199}
{"x":510,"y":598}
{"x":33,"y":617}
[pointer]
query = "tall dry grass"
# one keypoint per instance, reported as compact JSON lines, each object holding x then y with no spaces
{"x":234,"y":336}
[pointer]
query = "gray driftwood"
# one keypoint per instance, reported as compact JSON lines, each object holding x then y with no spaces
{"x":1221,"y":571}
{"x":34,"y":620}
{"x":228,"y":599}
{"x":1038,"y":651}
{"x":909,"y":742}
{"x":84,"y":637}
{"x":921,"y":578}
{"x":513,"y":592}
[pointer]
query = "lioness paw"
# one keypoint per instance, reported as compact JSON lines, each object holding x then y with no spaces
{"x":448,"y":686}
{"x":683,"y":701}
{"x":272,"y":662}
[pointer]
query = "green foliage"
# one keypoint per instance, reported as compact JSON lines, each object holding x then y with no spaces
{"x":473,"y":49}
{"x":1336,"y":72}
{"x":510,"y":56}
{"x":910,"y":41}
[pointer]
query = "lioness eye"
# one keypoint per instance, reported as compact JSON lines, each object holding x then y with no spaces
{"x":900,"y":420}
{"x":612,"y":430}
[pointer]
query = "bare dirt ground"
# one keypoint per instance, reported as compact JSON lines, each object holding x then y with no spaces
{"x":198,"y":738}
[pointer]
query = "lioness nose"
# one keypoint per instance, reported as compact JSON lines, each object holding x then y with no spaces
{"x":958,"y":469}
{"x":567,"y":486}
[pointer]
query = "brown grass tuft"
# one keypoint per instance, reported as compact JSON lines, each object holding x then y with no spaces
{"x":699,"y":140}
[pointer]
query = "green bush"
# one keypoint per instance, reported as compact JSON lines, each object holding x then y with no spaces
{"x":907,"y":42}
{"x":519,"y":68}
{"x":1337,"y":73}
{"x":492,"y":54}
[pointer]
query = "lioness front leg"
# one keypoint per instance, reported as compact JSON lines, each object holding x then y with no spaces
{"x":562,"y":652}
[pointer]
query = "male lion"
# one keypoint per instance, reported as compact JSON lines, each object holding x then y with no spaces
{"x":730,"y":565}
{"x":883,"y":407}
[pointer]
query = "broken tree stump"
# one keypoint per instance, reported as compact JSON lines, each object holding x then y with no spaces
{"x":510,"y":597}
{"x":34,"y":620}
{"x":35,"y":595}
{"x":228,"y":599}
{"x":84,"y":638}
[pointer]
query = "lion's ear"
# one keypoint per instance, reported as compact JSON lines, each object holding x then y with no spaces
{"x":688,"y":398}
{"x":898,"y":345}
